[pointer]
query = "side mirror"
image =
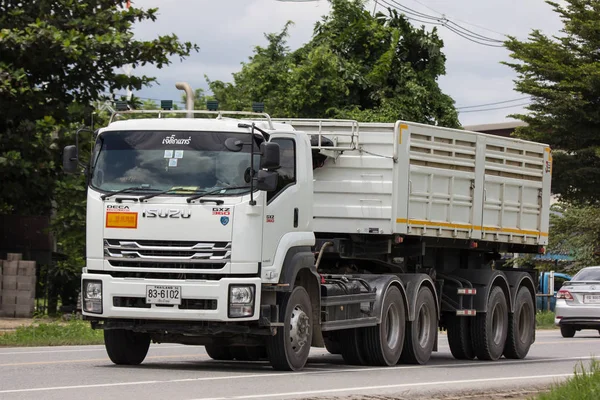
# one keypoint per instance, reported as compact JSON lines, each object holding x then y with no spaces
{"x":70,"y":159}
{"x":267,"y":180}
{"x":269,"y":155}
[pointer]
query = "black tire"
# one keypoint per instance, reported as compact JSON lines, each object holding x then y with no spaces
{"x":218,"y":352}
{"x":126,"y":347}
{"x":567,"y":331}
{"x":288,"y":350}
{"x":521,"y":326}
{"x":382,"y":344}
{"x":250,"y":353}
{"x":421,"y":333}
{"x":332,"y":343}
{"x":489,"y":330}
{"x":459,"y":337}
{"x":352,"y":346}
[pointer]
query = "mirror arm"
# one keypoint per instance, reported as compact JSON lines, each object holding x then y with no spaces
{"x":252,"y":201}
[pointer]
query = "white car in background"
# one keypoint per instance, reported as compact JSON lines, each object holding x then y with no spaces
{"x":578,"y":303}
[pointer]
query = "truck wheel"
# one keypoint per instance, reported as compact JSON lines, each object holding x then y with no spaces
{"x":126,"y":347}
{"x":218,"y":352}
{"x":332,"y":343}
{"x":352,"y":346}
{"x":420,"y":333}
{"x":383,"y":343}
{"x":459,"y":337}
{"x":489,"y":330}
{"x":288,"y":350}
{"x":521,"y":326}
{"x":250,"y":353}
{"x":567,"y":331}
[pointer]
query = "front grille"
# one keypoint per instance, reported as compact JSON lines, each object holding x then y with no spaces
{"x":169,"y":275}
{"x":166,"y":251}
{"x":164,"y":265}
{"x":186,"y":304}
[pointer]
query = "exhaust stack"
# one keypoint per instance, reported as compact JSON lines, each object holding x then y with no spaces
{"x":189,"y":97}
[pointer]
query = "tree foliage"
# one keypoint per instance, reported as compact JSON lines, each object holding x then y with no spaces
{"x":54,"y":54}
{"x":56,"y":59}
{"x":562,"y":75}
{"x":575,"y":231}
{"x":370,"y":68}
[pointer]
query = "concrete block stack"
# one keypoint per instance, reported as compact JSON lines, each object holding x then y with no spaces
{"x":18,"y":287}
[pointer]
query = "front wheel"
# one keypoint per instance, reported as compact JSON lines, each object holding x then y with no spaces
{"x":567,"y":331}
{"x":288,"y":350}
{"x":126,"y":347}
{"x":218,"y":352}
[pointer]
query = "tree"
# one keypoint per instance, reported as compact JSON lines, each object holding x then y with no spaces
{"x":54,"y":54}
{"x":562,"y":76}
{"x":56,"y":59}
{"x":575,"y":230}
{"x":371,"y":68}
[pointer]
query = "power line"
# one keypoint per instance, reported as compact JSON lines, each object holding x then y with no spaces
{"x":495,"y":103}
{"x":494,"y":108}
{"x":463,"y":32}
{"x":444,"y":21}
{"x":459,"y":20}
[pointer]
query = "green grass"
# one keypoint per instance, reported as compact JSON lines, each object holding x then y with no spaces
{"x":74,"y":332}
{"x":545,"y":320}
{"x":584,"y":385}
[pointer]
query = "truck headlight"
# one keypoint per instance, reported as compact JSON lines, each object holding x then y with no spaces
{"x":241,"y":301}
{"x":92,"y":296}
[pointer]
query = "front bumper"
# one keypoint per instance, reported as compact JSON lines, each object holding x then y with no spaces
{"x":213,"y":291}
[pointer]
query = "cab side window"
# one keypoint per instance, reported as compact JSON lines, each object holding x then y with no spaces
{"x":287,"y":172}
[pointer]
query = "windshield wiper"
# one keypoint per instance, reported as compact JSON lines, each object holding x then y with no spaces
{"x":181,"y":189}
{"x":129,"y":189}
{"x":216,"y":191}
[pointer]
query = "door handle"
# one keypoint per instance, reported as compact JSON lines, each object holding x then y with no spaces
{"x":296,"y":217}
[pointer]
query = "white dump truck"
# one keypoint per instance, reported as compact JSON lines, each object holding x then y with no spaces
{"x":260,"y":237}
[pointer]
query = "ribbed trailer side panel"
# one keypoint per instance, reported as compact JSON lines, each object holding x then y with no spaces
{"x":422,"y":180}
{"x":469,"y":185}
{"x":437,"y":176}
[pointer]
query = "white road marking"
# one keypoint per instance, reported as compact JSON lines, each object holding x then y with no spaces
{"x":283,"y":374}
{"x":76,"y":350}
{"x":396,"y":386}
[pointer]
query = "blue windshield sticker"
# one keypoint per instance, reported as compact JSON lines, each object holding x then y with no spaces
{"x":172,"y":162}
{"x":168,"y":153}
{"x":224,"y":220}
{"x":178,"y":153}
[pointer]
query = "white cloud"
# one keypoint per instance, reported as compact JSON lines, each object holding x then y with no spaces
{"x":228,"y":30}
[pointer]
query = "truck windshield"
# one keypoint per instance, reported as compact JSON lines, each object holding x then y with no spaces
{"x":186,"y":160}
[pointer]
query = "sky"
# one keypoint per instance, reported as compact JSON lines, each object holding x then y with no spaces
{"x":228,"y":30}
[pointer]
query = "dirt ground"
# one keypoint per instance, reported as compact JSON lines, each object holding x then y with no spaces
{"x":10,"y":324}
{"x":513,"y":395}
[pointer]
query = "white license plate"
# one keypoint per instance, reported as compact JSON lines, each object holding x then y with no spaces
{"x":591,"y":298}
{"x":163,"y":294}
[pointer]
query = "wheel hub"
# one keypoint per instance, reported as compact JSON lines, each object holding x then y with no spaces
{"x":299,"y":329}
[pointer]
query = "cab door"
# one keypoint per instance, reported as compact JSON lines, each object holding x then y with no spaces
{"x":282,"y":211}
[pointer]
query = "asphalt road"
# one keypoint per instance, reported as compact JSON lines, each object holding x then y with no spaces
{"x":184,"y":372}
